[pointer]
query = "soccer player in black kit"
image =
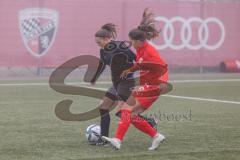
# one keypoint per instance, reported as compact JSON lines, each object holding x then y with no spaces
{"x":119,"y":57}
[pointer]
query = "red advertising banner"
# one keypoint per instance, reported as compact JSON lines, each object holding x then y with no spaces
{"x":46,"y":33}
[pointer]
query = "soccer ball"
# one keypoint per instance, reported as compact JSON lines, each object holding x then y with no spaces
{"x":93,"y":133}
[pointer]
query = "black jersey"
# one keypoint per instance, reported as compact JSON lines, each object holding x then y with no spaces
{"x":118,"y":56}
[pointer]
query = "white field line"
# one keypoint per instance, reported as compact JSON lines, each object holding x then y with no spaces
{"x":189,"y":98}
{"x":183,"y":97}
{"x":201,"y":99}
{"x":109,"y":82}
{"x":205,"y":80}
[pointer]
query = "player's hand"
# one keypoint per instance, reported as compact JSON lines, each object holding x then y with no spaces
{"x":125,"y":73}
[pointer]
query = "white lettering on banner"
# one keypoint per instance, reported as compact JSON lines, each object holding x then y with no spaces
{"x":186,"y":33}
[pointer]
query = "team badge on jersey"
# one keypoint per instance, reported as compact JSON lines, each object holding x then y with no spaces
{"x":38,"y":28}
{"x":140,"y":60}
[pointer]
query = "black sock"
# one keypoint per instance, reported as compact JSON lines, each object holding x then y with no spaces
{"x":105,"y":122}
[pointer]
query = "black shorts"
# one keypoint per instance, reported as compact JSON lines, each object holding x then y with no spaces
{"x":121,"y":91}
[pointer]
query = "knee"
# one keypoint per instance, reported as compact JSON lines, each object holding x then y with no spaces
{"x":106,"y":104}
{"x":125,"y":115}
{"x":163,"y":87}
{"x":104,"y":107}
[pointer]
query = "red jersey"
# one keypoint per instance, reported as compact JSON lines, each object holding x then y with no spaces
{"x":148,"y":54}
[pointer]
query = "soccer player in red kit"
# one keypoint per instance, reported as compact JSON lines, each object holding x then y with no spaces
{"x":153,"y":78}
{"x":153,"y":71}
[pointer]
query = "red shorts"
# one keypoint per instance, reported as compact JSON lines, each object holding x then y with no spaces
{"x":146,"y":95}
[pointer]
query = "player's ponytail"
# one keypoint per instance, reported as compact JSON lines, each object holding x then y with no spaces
{"x":146,"y":29}
{"x":107,"y":31}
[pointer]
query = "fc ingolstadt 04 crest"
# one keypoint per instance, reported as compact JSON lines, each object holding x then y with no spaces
{"x":38,"y":28}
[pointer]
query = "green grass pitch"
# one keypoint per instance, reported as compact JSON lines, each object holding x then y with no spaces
{"x":204,"y":129}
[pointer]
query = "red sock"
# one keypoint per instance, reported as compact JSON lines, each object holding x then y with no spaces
{"x":123,"y":124}
{"x":143,"y":126}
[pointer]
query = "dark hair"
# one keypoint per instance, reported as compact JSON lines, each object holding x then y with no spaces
{"x":146,"y":29}
{"x":107,"y":31}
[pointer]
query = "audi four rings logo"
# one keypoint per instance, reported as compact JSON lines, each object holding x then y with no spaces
{"x":186,"y":33}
